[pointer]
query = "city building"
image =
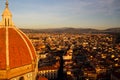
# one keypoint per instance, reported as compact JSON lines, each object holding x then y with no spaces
{"x":116,"y":74}
{"x":49,"y":72}
{"x":18,"y":59}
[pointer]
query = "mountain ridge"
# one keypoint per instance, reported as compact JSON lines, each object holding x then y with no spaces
{"x":71,"y":30}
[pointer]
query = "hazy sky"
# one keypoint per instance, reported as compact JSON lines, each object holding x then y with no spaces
{"x":98,"y":14}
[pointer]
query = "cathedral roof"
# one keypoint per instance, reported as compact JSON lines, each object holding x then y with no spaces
{"x":17,"y":54}
{"x":16,"y":49}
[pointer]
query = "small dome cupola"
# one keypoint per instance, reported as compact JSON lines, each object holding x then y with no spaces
{"x":7,"y":16}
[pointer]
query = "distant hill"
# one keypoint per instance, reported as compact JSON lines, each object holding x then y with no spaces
{"x":116,"y":30}
{"x":72,"y":30}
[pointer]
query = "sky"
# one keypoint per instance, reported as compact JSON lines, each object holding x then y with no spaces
{"x":42,"y":14}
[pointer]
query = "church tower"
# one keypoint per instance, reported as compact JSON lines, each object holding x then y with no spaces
{"x":18,"y":60}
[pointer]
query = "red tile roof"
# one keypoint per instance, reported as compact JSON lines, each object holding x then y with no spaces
{"x":2,"y":48}
{"x":30,"y":45}
{"x":20,"y":50}
{"x":42,"y":78}
{"x":47,"y":68}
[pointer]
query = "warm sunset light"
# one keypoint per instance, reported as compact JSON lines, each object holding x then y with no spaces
{"x":98,"y":14}
{"x":60,"y":40}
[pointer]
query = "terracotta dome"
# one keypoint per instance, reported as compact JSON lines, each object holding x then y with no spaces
{"x":17,"y":54}
{"x":15,"y":48}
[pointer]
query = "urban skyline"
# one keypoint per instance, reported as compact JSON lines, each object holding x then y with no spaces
{"x":98,"y":14}
{"x":34,"y":55}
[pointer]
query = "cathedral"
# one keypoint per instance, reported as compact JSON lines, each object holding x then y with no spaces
{"x":18,"y":59}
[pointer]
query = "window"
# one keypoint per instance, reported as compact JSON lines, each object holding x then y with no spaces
{"x":8,"y":22}
{"x":5,"y":22}
{"x":21,"y":78}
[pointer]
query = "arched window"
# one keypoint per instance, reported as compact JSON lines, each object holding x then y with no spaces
{"x":5,"y":22}
{"x":8,"y":21}
{"x":21,"y":78}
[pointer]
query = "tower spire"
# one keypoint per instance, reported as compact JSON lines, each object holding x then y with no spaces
{"x":6,"y":3}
